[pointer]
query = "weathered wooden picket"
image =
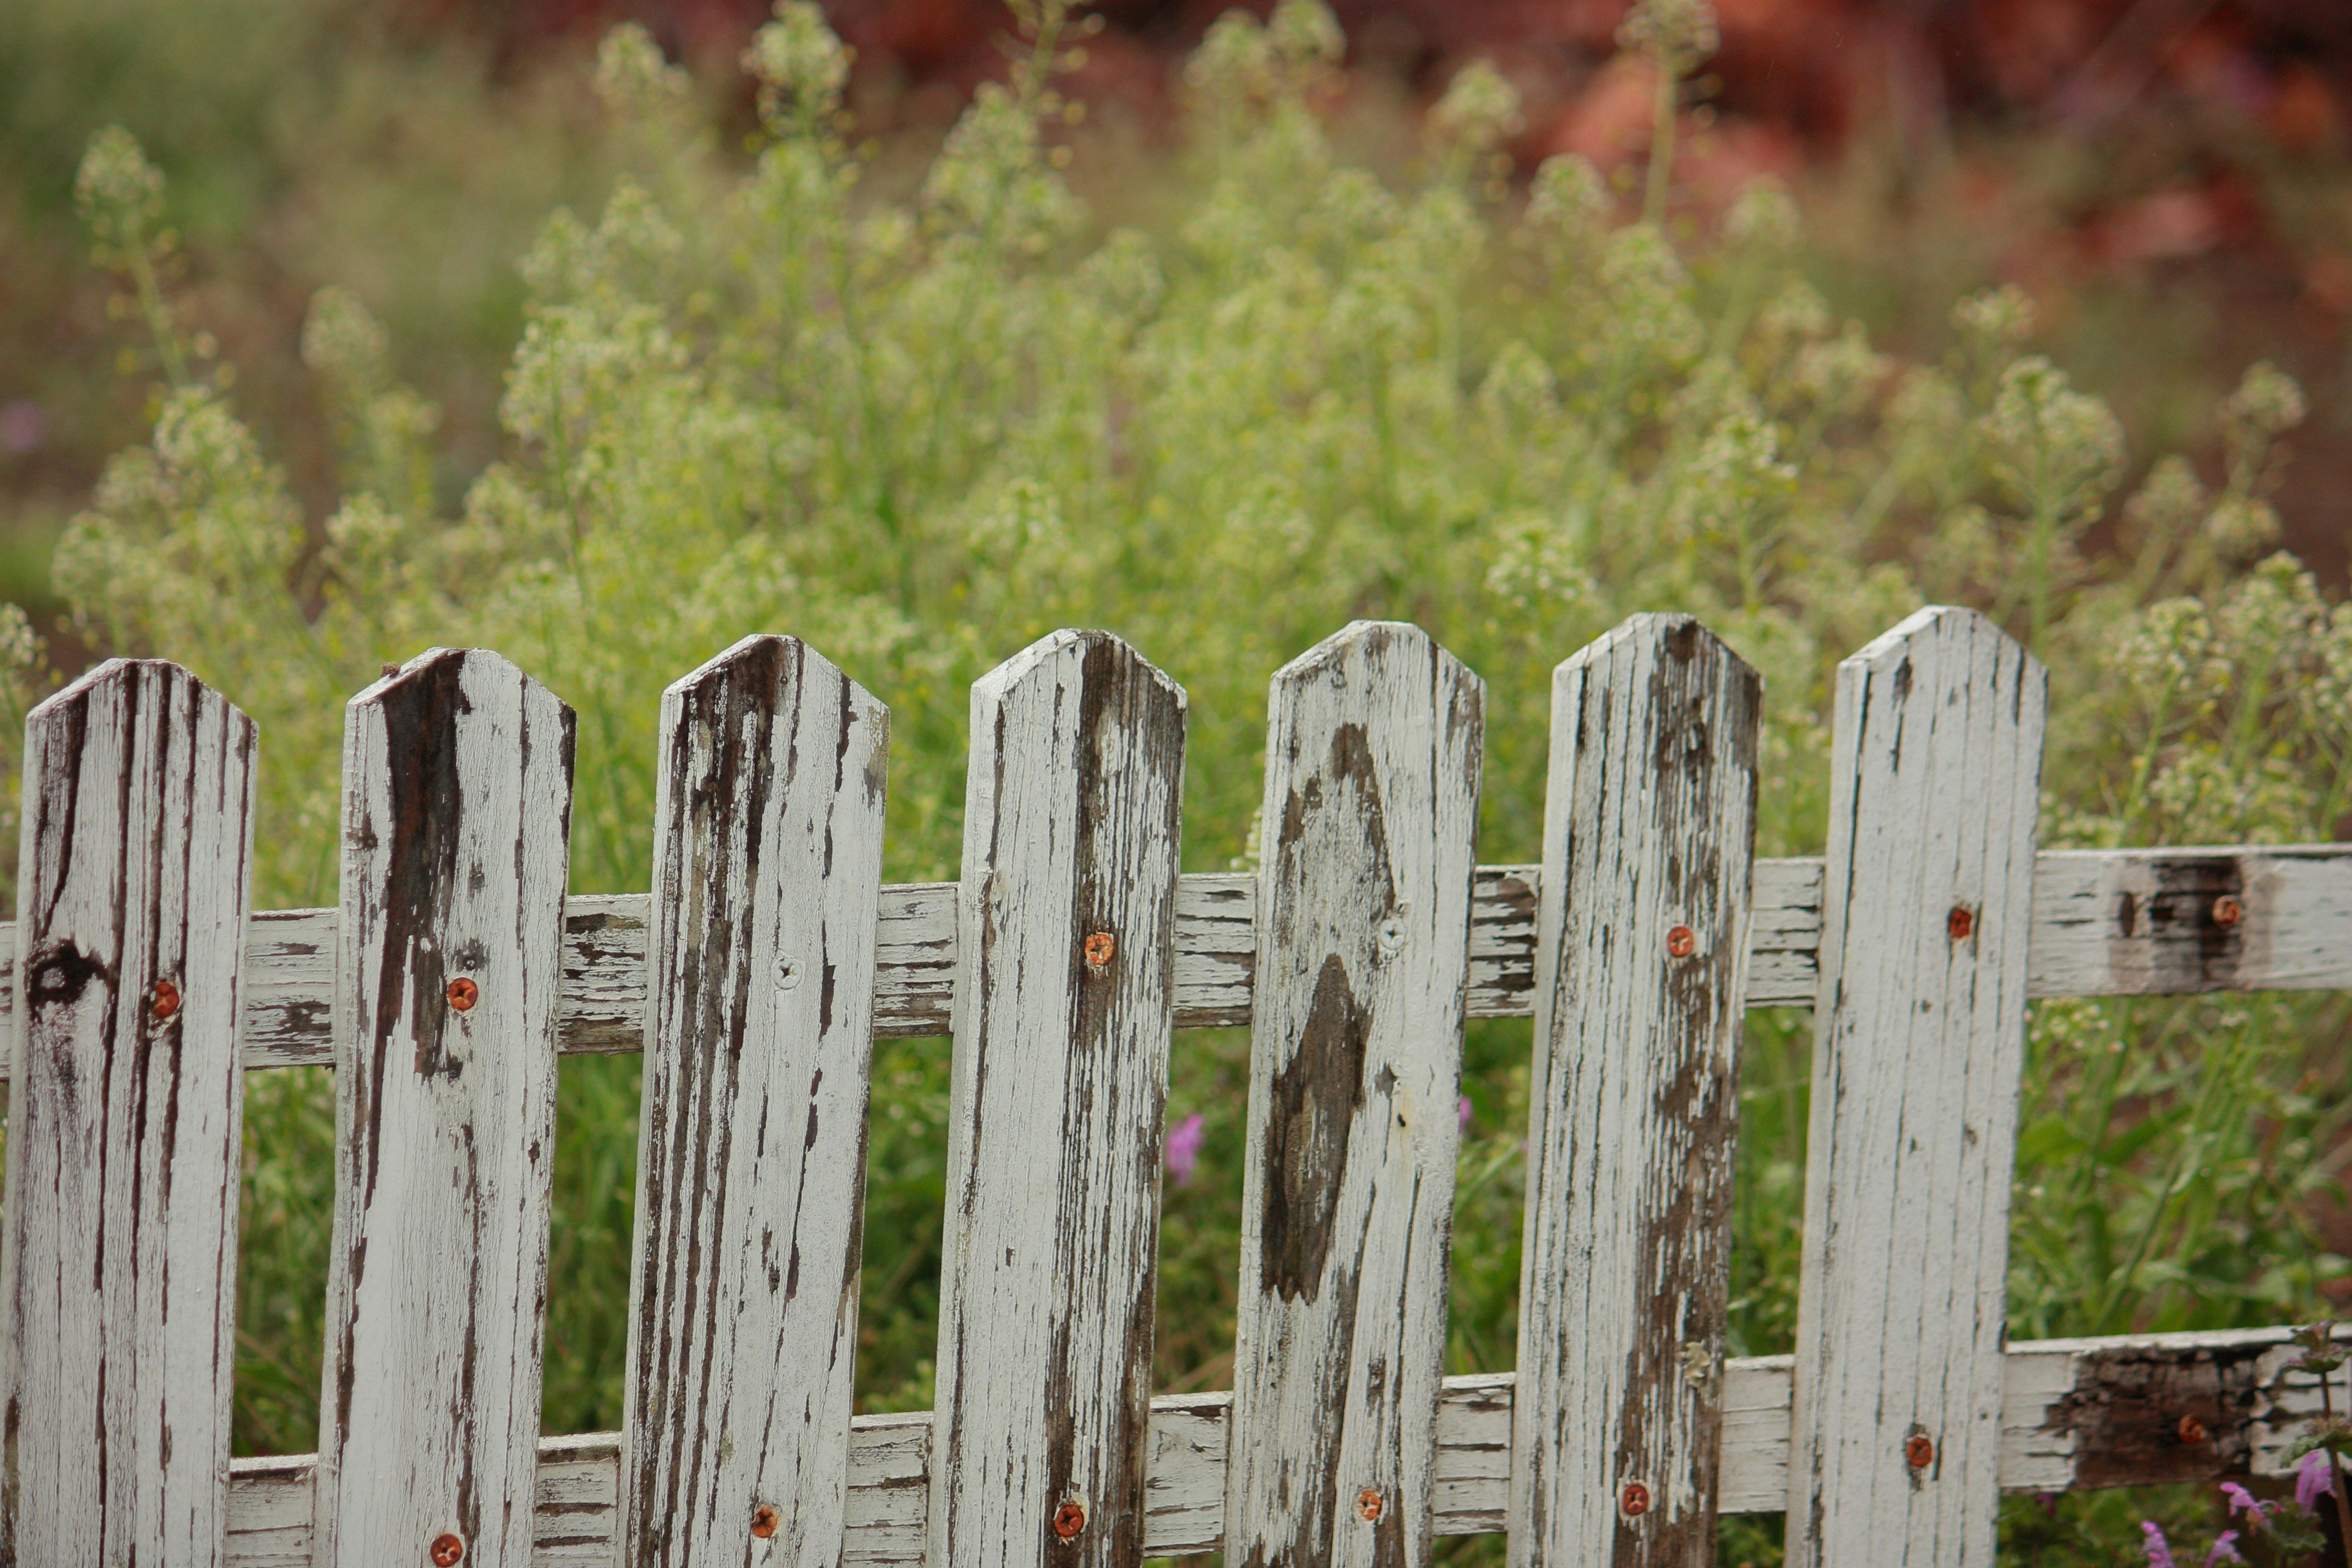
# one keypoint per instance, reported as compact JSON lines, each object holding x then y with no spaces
{"x":768,"y":957}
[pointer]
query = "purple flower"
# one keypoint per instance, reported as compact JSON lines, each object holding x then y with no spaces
{"x":2241,"y":1499}
{"x":1185,"y":1141}
{"x":2225,"y":1549}
{"x":2160,"y":1550}
{"x":2313,"y":1479}
{"x":1465,"y":1113}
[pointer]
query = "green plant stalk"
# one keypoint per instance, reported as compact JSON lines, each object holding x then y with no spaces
{"x":1662,"y":141}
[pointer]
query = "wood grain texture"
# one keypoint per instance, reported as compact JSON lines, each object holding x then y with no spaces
{"x":1068,"y":928}
{"x":752,"y":1140}
{"x":1374,"y":740}
{"x":457,"y":819}
{"x":1649,"y":846}
{"x":2107,"y":922}
{"x":2065,"y":1405}
{"x":118,"y":1259}
{"x":1920,"y":1037}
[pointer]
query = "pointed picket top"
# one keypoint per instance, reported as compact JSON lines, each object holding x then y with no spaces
{"x":456,"y":821}
{"x":1919,"y":1044}
{"x":118,"y":1259}
{"x":1374,"y":744}
{"x":1066,"y":921}
{"x":759,"y":1016}
{"x":1641,"y":978}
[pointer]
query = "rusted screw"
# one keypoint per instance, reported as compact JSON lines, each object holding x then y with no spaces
{"x":464,"y":994}
{"x":1635,"y":1499}
{"x":446,"y":1549}
{"x":1962,"y":923}
{"x":389,"y":672}
{"x":1071,"y":1517}
{"x":2228,"y":911}
{"x":1099,"y":947}
{"x":764,"y":1520}
{"x":1679,"y":942}
{"x":163,"y":1000}
{"x":2192,"y":1431}
{"x":1919,"y":1451}
{"x":1368,"y":1504}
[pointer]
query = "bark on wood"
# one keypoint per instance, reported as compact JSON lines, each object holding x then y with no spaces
{"x":1649,"y":838}
{"x":117,"y":1262}
{"x":1374,"y":743}
{"x":457,"y":812}
{"x":1920,"y":1035}
{"x":751,"y":1142}
{"x":1060,"y":1082}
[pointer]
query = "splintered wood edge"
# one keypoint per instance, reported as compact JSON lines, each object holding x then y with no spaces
{"x":2076,"y":1414}
{"x":2107,"y":922}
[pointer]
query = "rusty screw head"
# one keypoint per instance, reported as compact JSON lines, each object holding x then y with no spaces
{"x":2228,"y":911}
{"x":2192,"y":1431}
{"x":163,"y":1000}
{"x":464,"y":994}
{"x":1679,"y":942}
{"x":447,"y":1547}
{"x":1069,"y":1519}
{"x":1962,"y":923}
{"x":1368,"y":1504}
{"x":1635,"y":1499}
{"x":764,"y":1520}
{"x":1099,"y":947}
{"x":1919,"y":1451}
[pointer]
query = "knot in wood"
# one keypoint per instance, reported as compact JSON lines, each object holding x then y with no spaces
{"x":1099,"y":947}
{"x":164,"y":1001}
{"x":1680,"y":941}
{"x":1919,"y":1451}
{"x":464,"y":994}
{"x":2228,"y":911}
{"x":1071,"y":1517}
{"x":764,"y":1520}
{"x":446,"y":1549}
{"x":1368,"y":1504}
{"x":1635,"y":1499}
{"x":1962,"y":923}
{"x":2192,"y":1431}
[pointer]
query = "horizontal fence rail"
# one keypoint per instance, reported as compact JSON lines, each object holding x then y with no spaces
{"x":136,"y":987}
{"x":2107,"y":922}
{"x":2075,"y":1415}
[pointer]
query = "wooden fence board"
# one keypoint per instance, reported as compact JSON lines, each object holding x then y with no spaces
{"x":456,"y":809}
{"x":751,"y":1141}
{"x":118,"y":1270}
{"x":1374,"y":740}
{"x":2066,"y":1403}
{"x":1059,"y":1089}
{"x":1649,"y":842}
{"x":1920,"y":1040}
{"x":2298,"y":938}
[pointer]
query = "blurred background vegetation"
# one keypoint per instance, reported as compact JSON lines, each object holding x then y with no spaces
{"x":380,"y":322}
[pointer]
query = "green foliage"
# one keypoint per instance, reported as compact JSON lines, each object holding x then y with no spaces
{"x":921,"y":432}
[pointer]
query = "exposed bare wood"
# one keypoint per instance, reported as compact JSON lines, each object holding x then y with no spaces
{"x":1934,"y":798}
{"x":751,"y":1141}
{"x":1374,"y":740}
{"x":1649,"y":843}
{"x":117,"y":1262}
{"x":457,"y":816}
{"x":1067,"y":936}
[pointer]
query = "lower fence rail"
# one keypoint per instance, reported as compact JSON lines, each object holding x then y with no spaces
{"x":2132,"y":1410}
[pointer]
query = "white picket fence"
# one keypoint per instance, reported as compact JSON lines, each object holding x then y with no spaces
{"x":768,"y":956}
